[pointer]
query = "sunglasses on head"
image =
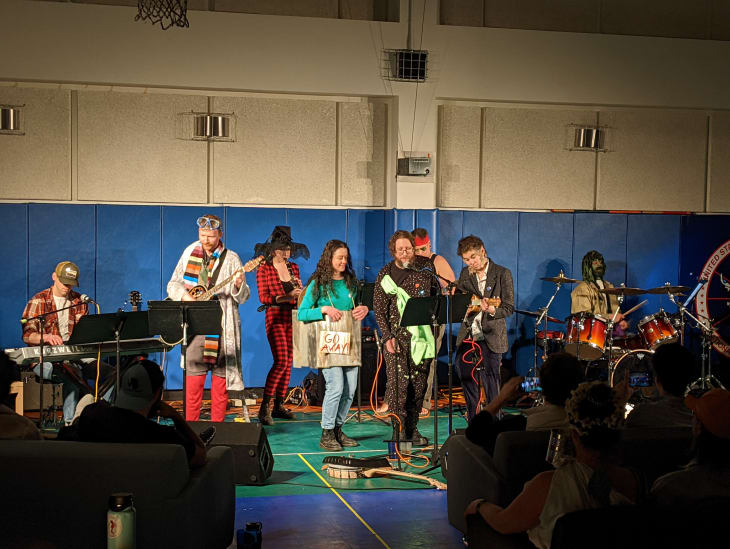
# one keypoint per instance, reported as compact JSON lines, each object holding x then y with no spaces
{"x":206,"y":222}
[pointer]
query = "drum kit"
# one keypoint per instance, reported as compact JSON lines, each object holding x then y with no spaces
{"x":590,"y":337}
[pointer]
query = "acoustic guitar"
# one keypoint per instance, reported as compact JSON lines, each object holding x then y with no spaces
{"x":199,"y":292}
{"x":476,"y":301}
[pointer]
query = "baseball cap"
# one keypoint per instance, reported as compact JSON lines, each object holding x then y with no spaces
{"x":138,"y":385}
{"x":712,"y":410}
{"x":68,"y":273}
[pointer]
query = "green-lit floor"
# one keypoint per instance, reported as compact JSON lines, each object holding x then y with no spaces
{"x":302,"y":506}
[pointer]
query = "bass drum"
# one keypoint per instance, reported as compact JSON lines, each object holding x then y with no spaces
{"x":634,"y":366}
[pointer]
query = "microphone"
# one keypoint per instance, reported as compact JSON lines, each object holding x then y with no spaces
{"x":86,"y":299}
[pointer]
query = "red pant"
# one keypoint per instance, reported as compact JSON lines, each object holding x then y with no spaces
{"x":194,"y":398}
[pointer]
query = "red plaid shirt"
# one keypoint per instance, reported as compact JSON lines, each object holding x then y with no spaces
{"x":41,"y":303}
{"x":269,"y":283}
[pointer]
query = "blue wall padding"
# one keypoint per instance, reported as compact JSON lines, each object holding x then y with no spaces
{"x":58,"y":232}
{"x":15,"y":273}
{"x":123,"y":248}
{"x":651,"y":259}
{"x":545,"y":247}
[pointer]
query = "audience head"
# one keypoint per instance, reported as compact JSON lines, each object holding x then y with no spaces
{"x":140,"y":388}
{"x":559,"y":376}
{"x":9,"y":372}
{"x":712,"y":414}
{"x":596,"y":412}
{"x":674,"y":368}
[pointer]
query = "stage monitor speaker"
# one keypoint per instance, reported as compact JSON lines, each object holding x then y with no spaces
{"x":252,"y":458}
{"x":31,"y":393}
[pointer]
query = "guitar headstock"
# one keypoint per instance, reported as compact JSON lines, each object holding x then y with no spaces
{"x":135,"y":299}
{"x":253,"y":264}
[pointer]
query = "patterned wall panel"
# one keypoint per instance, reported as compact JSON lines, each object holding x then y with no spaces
{"x":526,"y":163}
{"x":37,"y":165}
{"x":362,"y":154}
{"x":284,"y":154}
{"x":719,"y":163}
{"x":458,"y":171}
{"x":656,"y":161}
{"x":128,"y":151}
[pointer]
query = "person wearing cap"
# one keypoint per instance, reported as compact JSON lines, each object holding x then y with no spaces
{"x":57,"y":329}
{"x":134,"y":416}
{"x":280,"y":286}
{"x":204,"y":262}
{"x":708,"y":474}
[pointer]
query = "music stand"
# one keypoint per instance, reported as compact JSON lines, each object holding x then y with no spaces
{"x":176,"y":320}
{"x":436,"y":310}
{"x":111,"y":327}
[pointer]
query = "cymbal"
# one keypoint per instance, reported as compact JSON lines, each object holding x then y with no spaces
{"x":537,"y":314}
{"x":668,"y":290}
{"x":622,"y":290}
{"x":560,"y":279}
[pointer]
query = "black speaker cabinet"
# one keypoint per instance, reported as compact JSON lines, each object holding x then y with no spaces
{"x":367,"y":375}
{"x":252,"y":458}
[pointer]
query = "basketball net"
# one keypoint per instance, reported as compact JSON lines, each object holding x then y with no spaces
{"x":167,"y":13}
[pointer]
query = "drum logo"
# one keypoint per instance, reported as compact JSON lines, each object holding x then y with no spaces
{"x":713,"y":300}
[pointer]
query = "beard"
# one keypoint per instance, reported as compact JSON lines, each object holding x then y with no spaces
{"x":598,"y":272}
{"x":402,"y":264}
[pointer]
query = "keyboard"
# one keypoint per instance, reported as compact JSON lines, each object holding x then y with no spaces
{"x":59,"y":353}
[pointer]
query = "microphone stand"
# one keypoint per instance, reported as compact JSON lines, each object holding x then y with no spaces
{"x":543,"y":315}
{"x":121,"y":320}
{"x":41,"y":319}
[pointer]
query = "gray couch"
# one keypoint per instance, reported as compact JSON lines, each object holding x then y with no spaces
{"x":57,"y":492}
{"x":520,"y":455}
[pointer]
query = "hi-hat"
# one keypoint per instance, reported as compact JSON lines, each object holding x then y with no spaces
{"x":537,"y":314}
{"x":667,"y":289}
{"x":622,"y":290}
{"x":560,"y":279}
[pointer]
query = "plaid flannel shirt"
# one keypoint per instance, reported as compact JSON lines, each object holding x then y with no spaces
{"x":41,"y":303}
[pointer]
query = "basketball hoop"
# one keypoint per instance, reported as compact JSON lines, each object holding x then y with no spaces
{"x":167,"y":13}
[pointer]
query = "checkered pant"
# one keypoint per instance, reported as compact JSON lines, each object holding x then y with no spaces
{"x":279,"y":334}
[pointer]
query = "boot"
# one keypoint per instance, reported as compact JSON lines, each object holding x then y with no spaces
{"x":265,"y":412}
{"x":329,"y":442}
{"x":281,"y":412}
{"x":343,"y":439}
{"x":417,"y":439}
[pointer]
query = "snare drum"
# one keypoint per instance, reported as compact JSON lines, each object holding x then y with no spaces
{"x":552,"y":341}
{"x":586,"y":336}
{"x":657,"y":329}
{"x":629,"y":342}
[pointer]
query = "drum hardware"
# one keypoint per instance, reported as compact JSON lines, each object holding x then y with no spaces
{"x":542,"y":316}
{"x":706,"y":379}
{"x":622,"y":291}
{"x":560,"y":279}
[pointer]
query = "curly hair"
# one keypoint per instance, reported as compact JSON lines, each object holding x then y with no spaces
{"x":469,"y":243}
{"x":322,"y":275}
{"x":397,"y":235}
{"x":596,"y":412}
{"x":587,"y":265}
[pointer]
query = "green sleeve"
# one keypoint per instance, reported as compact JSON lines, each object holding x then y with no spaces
{"x":307,"y":311}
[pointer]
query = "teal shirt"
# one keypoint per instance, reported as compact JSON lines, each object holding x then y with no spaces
{"x":339,"y":293}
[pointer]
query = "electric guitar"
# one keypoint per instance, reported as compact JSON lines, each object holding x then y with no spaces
{"x":476,"y":303}
{"x":135,"y":299}
{"x":200,"y":293}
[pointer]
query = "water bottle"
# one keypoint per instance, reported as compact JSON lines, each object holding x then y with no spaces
{"x":250,"y":537}
{"x":121,"y":522}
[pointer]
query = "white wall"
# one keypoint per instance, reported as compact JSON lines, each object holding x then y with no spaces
{"x":95,"y":44}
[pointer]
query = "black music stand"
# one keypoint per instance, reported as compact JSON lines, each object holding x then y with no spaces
{"x":177,"y":320}
{"x":365,"y":294}
{"x":111,"y":327}
{"x":435,"y":311}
